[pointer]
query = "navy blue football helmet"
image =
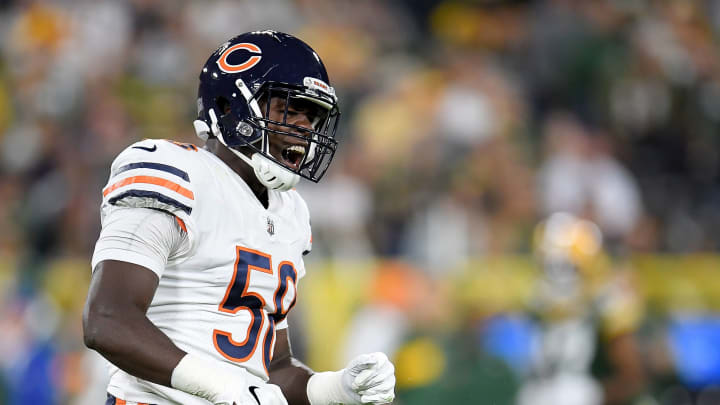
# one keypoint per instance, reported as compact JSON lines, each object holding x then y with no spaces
{"x":236,"y":85}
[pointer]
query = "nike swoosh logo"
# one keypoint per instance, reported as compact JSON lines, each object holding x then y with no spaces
{"x":153,"y":149}
{"x":252,"y":389}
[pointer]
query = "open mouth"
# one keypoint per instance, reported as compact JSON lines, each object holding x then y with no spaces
{"x":293,"y":155}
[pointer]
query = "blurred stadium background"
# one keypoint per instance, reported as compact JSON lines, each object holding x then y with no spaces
{"x":525,"y":208}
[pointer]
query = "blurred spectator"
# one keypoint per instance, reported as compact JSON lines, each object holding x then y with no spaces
{"x":580,"y":175}
{"x":28,"y":351}
{"x":340,"y":211}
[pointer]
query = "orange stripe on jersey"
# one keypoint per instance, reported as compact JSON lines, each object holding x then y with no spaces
{"x":151,"y":180}
{"x":181,"y":223}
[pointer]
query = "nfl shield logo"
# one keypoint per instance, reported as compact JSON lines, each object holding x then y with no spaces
{"x":270,"y":227}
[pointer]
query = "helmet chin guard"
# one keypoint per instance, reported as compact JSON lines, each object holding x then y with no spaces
{"x":271,"y":175}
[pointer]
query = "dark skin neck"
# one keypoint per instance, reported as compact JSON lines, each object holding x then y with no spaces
{"x":240,"y":167}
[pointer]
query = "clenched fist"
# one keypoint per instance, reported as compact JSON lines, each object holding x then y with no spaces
{"x":367,"y":379}
{"x":371,"y":377}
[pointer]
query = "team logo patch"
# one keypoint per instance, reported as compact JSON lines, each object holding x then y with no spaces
{"x":253,"y":60}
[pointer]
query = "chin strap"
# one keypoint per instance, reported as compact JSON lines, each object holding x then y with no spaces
{"x":269,"y":173}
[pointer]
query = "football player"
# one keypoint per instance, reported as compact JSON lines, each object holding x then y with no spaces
{"x":201,"y":250}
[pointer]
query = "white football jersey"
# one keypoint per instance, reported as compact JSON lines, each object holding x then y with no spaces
{"x":228,"y":294}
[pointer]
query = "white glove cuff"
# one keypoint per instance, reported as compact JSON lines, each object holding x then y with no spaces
{"x":327,"y":388}
{"x":200,"y":377}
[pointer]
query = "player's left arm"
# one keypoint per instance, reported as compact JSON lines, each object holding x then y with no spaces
{"x":288,"y":372}
{"x":367,"y":379}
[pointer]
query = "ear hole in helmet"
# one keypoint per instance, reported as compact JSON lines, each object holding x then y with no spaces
{"x":223,"y":105}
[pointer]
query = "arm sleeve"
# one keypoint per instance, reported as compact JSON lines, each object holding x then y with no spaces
{"x":142,"y":236}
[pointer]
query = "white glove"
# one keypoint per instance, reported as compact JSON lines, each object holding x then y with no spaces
{"x":221,"y":385}
{"x":372,"y":378}
{"x":367,"y":379}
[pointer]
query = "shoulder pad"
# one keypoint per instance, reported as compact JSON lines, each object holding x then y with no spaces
{"x":152,"y":174}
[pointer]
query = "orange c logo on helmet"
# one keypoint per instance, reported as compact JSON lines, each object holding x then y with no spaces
{"x":252,"y":61}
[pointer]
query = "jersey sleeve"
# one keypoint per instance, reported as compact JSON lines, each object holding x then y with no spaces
{"x":146,"y":237}
{"x":154,"y":174}
{"x":151,"y":174}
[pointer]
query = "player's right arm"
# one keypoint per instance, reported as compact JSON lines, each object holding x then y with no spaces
{"x":115,"y":324}
{"x":146,"y":191}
